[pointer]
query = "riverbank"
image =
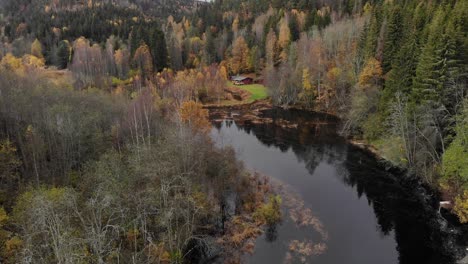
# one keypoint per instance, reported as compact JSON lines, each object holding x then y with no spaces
{"x":263,"y":112}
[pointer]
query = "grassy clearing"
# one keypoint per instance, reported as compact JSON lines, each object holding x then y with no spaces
{"x":257,"y":91}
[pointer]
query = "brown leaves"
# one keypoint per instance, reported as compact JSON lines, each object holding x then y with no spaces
{"x":302,"y":249}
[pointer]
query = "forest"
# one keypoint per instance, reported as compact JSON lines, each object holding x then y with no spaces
{"x":105,"y":154}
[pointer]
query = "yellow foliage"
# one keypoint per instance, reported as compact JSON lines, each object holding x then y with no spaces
{"x":13,"y":245}
{"x":461,"y":207}
{"x":119,"y":90}
{"x":306,"y":85}
{"x":11,"y":62}
{"x":36,"y":49}
{"x":270,"y":212}
{"x":200,"y":76}
{"x":223,"y":73}
{"x":158,"y":253}
{"x":334,"y":73}
{"x":367,"y":8}
{"x":240,"y":56}
{"x":371,"y":74}
{"x":165,"y":257}
{"x":235,"y":25}
{"x":193,"y":114}
{"x":55,"y":194}
{"x":33,"y":61}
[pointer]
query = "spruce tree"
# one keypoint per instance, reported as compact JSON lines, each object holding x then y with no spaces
{"x":294,"y":28}
{"x":400,"y":77}
{"x":428,"y":81}
{"x":63,"y":54}
{"x":393,"y":36}
{"x":372,"y":35}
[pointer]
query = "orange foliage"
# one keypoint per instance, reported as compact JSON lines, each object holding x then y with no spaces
{"x":193,"y":114}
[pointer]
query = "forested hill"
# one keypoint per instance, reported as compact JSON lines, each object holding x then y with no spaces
{"x":158,"y":8}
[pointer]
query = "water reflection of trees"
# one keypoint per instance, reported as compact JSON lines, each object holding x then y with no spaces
{"x":401,"y":204}
{"x":311,"y":143}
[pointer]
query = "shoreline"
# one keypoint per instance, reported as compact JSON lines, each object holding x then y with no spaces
{"x":251,"y":113}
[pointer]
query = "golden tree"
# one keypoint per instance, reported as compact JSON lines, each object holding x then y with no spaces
{"x":12,"y":63}
{"x":193,"y":114}
{"x":461,"y":207}
{"x":371,"y":74}
{"x":271,"y":48}
{"x":240,"y":56}
{"x":284,"y":38}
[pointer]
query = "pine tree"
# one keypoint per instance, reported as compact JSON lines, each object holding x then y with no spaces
{"x":310,"y":19}
{"x":210,"y":48}
{"x":455,"y":56}
{"x":403,"y":69}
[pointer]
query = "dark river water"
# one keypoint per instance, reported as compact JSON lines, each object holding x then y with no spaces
{"x":367,"y":213}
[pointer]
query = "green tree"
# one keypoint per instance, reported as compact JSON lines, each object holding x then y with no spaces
{"x":400,"y":77}
{"x":370,"y":35}
{"x":394,"y":34}
{"x":63,"y":54}
{"x":428,"y":81}
{"x":454,"y":165}
{"x":294,"y":28}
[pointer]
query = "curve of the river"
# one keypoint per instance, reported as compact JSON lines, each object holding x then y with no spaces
{"x":356,"y":212}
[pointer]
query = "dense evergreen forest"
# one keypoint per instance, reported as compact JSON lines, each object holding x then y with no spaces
{"x":104,"y":149}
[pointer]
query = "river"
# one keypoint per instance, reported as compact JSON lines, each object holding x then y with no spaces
{"x":363,"y":212}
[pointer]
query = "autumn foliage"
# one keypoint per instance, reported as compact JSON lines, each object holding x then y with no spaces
{"x":371,"y":74}
{"x":193,"y":114}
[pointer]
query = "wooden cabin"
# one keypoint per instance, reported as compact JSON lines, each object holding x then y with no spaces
{"x":241,"y":80}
